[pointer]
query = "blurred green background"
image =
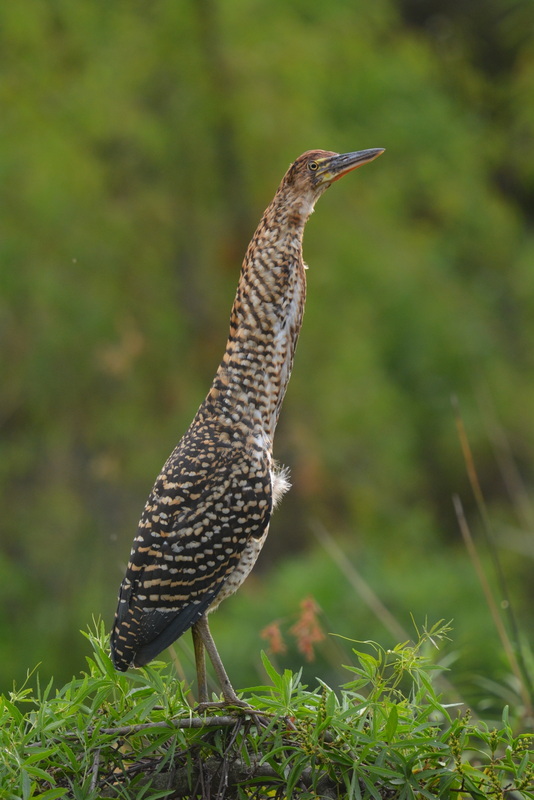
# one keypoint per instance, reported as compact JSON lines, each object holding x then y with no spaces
{"x":140,"y":143}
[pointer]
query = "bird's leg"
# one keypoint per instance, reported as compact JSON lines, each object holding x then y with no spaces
{"x":200,"y":662}
{"x":202,"y":630}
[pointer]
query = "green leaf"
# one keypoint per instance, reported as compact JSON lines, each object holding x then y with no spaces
{"x":331,"y":703}
{"x":524,"y":763}
{"x":271,"y":672}
{"x":17,"y":715}
{"x":26,"y":784}
{"x":391,"y":724}
{"x":39,"y":755}
{"x":298,"y":767}
{"x":37,"y":772}
{"x":368,"y":663}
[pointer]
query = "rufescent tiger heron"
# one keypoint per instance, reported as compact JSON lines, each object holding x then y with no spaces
{"x":207,"y":517}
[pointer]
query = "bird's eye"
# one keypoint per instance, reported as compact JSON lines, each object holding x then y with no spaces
{"x":313,"y":165}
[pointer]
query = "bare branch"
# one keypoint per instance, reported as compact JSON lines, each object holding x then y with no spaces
{"x":188,"y":722}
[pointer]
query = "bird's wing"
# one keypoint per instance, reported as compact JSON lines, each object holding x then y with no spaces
{"x":196,"y":522}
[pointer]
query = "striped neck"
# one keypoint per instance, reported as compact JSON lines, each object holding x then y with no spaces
{"x":265,"y":322}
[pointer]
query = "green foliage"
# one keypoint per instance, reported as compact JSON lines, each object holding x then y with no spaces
{"x":386,"y":733}
{"x":139,"y":145}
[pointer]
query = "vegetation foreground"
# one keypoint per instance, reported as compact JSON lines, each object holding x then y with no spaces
{"x":384,"y":734}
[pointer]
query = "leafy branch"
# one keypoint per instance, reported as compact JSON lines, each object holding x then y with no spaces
{"x":384,"y":734}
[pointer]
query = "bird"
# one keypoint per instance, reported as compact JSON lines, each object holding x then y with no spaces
{"x":207,"y":516}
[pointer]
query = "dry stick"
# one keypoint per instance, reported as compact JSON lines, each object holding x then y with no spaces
{"x":224,"y":772}
{"x":366,"y":593}
{"x":94,"y":770}
{"x":522,"y":672}
{"x":481,"y":505}
{"x":190,"y":722}
{"x":490,"y":600}
{"x":479,"y":497}
{"x":177,"y":664}
{"x":511,"y":475}
{"x":360,"y":585}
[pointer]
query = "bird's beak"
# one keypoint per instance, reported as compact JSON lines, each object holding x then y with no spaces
{"x":333,"y":168}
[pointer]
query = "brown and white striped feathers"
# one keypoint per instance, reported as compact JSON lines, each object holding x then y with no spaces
{"x":208,"y":514}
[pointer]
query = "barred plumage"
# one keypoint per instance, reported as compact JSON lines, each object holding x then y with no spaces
{"x":208,"y":514}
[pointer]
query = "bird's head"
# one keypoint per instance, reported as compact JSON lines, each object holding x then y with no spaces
{"x":314,"y":171}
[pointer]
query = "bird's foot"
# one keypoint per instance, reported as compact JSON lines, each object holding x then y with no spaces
{"x":206,"y":705}
{"x":229,"y":703}
{"x":234,"y":706}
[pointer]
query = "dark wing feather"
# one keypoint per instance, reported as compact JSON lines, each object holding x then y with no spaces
{"x":198,"y":518}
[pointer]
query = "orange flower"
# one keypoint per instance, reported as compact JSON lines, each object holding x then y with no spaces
{"x":273,"y":635}
{"x":307,"y":629}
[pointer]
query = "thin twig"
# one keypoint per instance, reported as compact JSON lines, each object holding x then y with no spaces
{"x":367,"y":594}
{"x":223,"y":781}
{"x":509,"y":470}
{"x":519,"y":667}
{"x":482,"y":509}
{"x":189,"y":722}
{"x":94,"y":770}
{"x":177,"y":664}
{"x":361,"y":586}
{"x":490,"y":600}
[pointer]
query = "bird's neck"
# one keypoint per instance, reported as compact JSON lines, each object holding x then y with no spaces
{"x":250,"y":384}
